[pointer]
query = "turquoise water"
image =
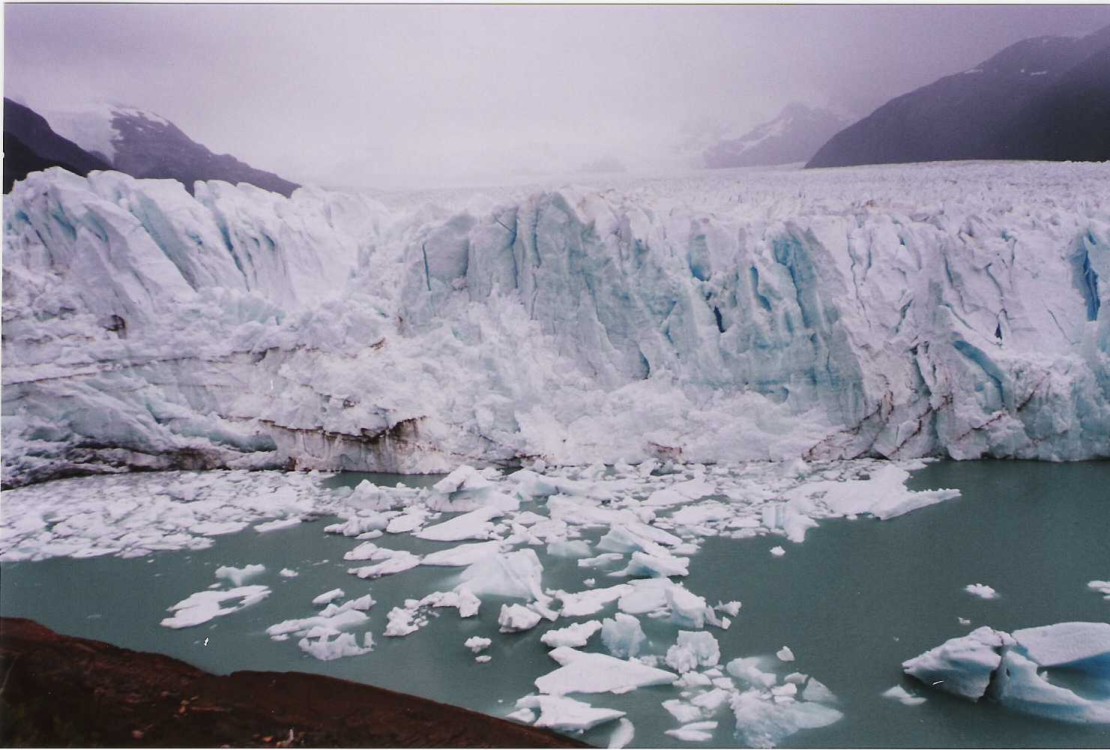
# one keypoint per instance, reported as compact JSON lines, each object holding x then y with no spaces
{"x":852,"y":602}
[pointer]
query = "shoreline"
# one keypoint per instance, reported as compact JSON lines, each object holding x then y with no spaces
{"x":58,"y":690}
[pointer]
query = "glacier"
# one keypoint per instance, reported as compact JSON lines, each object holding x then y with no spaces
{"x":904,"y":311}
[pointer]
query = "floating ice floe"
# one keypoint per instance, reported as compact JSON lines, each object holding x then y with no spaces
{"x":328,"y":597}
{"x":276,"y":525}
{"x":981,"y":590}
{"x":325,"y":645}
{"x":903,"y":696}
{"x":1027,"y":670}
{"x":1101,"y":587}
{"x":575,"y":635}
{"x":237,"y":576}
{"x":515,"y":618}
{"x":566,"y":714}
{"x":472,"y":525}
{"x":203,"y":606}
{"x":698,"y":731}
{"x":463,"y":555}
{"x":583,"y":672}
{"x":477,"y":643}
{"x":332,"y":619}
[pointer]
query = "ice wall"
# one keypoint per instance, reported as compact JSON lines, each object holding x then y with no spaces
{"x":897,"y":311}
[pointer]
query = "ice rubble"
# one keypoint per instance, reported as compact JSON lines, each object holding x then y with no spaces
{"x":1027,"y":670}
{"x":957,"y":310}
{"x":551,"y":508}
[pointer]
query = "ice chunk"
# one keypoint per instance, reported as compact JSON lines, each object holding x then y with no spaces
{"x":1066,"y":643}
{"x":1020,"y":686}
{"x":516,"y":618}
{"x":597,"y":673}
{"x":277,"y":525}
{"x":753,"y":670}
{"x":1102,"y":587}
{"x":463,"y":479}
{"x":818,"y":692}
{"x":477,"y":643}
{"x":903,"y":696}
{"x":396,"y":562}
{"x":622,"y":635}
{"x":203,"y":606}
{"x":710,"y":702}
{"x":567,"y":714}
{"x":688,"y":610}
{"x":597,"y":561}
{"x":408,"y":522}
{"x":483,"y":659}
{"x":575,"y":635}
{"x":692,"y":650}
{"x":981,"y":590}
{"x":700,"y":731}
{"x":766,"y":723}
{"x":622,"y":734}
{"x":473,"y":525}
{"x":577,"y":548}
{"x":287,"y":573}
{"x":320,"y":647}
{"x":522,"y":715}
{"x":962,"y":666}
{"x":401,"y":622}
{"x":732,"y":609}
{"x":237,"y":576}
{"x":682,"y":711}
{"x":513,"y":574}
{"x":332,"y":619}
{"x":785,"y":654}
{"x":328,"y":597}
{"x":462,"y":555}
{"x":778,"y":551}
{"x":658,"y":566}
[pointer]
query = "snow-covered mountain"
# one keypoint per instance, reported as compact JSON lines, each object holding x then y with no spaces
{"x":956,"y":310}
{"x":1046,"y":98}
{"x":143,"y":144}
{"x":30,"y":145}
{"x":793,"y":136}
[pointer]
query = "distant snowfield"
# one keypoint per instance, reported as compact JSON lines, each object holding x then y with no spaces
{"x":902,"y":311}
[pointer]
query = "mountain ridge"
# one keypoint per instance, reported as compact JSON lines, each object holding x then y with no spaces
{"x":1044,"y":98}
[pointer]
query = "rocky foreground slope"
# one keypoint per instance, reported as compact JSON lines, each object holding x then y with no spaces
{"x":899,"y":311}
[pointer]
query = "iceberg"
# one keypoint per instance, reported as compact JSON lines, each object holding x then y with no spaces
{"x":1027,"y":670}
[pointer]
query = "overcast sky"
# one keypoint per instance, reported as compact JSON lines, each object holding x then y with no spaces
{"x":348,"y":95}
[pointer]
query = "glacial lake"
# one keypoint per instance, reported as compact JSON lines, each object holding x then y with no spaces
{"x":852,"y":602}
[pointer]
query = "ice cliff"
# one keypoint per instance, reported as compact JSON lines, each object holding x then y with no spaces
{"x":896,"y":311}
